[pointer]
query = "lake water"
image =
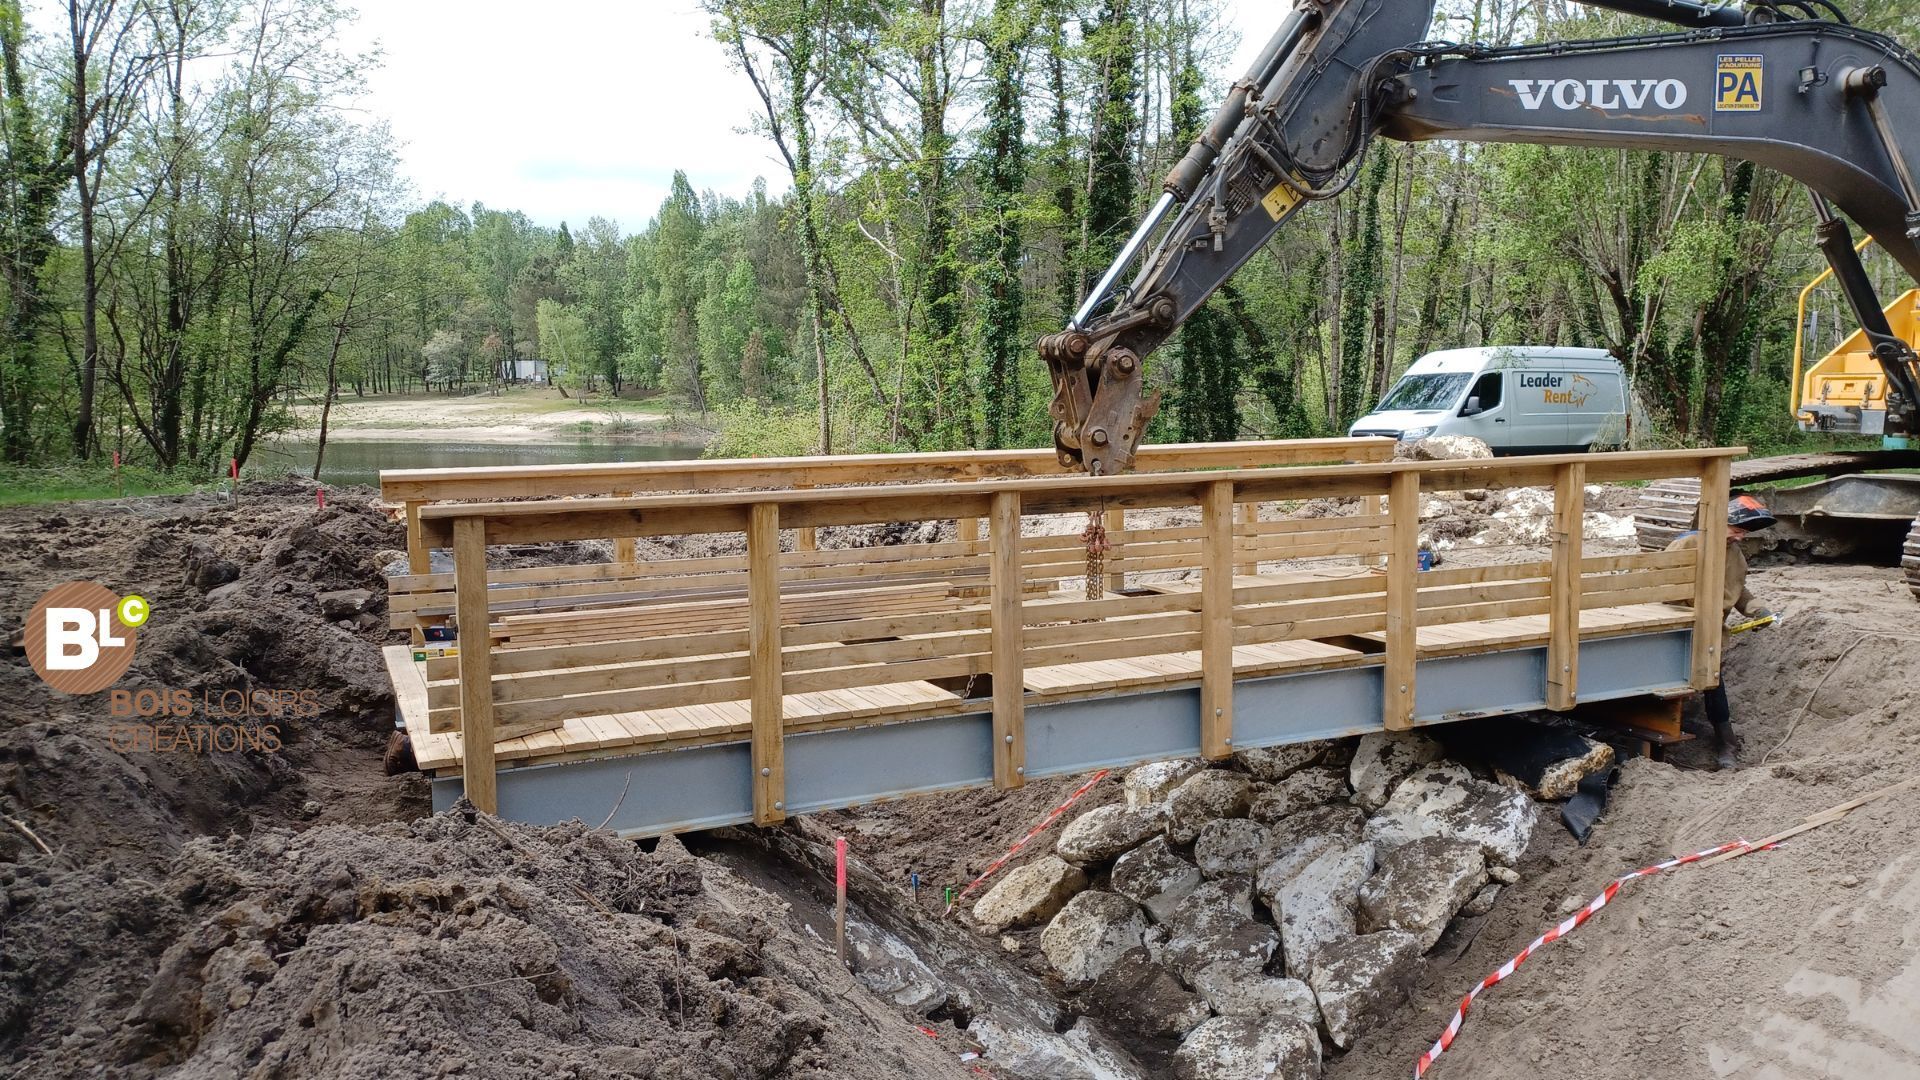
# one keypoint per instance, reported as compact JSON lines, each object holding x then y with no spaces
{"x":359,"y":462}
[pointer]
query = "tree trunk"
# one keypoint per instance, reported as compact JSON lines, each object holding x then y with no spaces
{"x":89,"y":271}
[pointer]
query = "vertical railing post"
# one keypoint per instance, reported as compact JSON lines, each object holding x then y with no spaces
{"x":766,"y":697}
{"x":1710,"y":572}
{"x":623,"y":552}
{"x":967,"y":528}
{"x":1008,"y":634}
{"x":1216,"y":621}
{"x":1563,"y":597}
{"x":1247,"y":514}
{"x":1403,"y":594}
{"x":1115,"y":522}
{"x":805,"y":539}
{"x":476,"y":663}
{"x":419,"y":558}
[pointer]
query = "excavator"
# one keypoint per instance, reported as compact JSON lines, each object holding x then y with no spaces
{"x":1790,"y":85}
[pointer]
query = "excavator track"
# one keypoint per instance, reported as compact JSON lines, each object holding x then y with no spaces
{"x":1665,"y":510}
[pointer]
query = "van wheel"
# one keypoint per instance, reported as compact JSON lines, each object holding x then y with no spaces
{"x":1910,"y":559}
{"x":1665,"y":510}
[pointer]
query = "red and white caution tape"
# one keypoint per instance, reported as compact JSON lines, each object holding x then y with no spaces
{"x":1052,"y":815}
{"x":1460,"y":1015}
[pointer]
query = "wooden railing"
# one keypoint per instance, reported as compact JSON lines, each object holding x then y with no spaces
{"x":413,"y":489}
{"x":789,"y":636}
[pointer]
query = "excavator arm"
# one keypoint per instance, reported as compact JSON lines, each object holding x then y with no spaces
{"x":1833,"y":106}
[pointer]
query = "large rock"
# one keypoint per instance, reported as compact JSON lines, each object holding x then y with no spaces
{"x":1107,"y":832}
{"x":1450,"y":448}
{"x":1340,"y":821}
{"x":1249,"y":1048}
{"x":1233,"y":990}
{"x":1020,"y":1049}
{"x":1361,"y":981}
{"x":1382,"y":759}
{"x":1290,"y":860}
{"x":1231,"y":846}
{"x":1208,"y":795}
{"x":1029,"y":894}
{"x":1537,"y":751}
{"x":1155,"y":877}
{"x":1439,"y":802}
{"x":1280,"y":762}
{"x":1482,"y":902}
{"x":1153,"y":782}
{"x":889,"y":967}
{"x":1140,"y":997}
{"x":343,"y":603}
{"x":1090,"y":933}
{"x":1303,"y":790}
{"x":1317,"y":907}
{"x":1420,"y":885}
{"x":1560,"y":778}
{"x":1216,"y":925}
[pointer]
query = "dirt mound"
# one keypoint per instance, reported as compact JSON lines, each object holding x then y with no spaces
{"x":238,"y":632}
{"x":450,"y":945}
{"x":1797,"y":962}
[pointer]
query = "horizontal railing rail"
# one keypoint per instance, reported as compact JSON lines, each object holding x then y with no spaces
{"x":784,"y":640}
{"x":413,"y":489}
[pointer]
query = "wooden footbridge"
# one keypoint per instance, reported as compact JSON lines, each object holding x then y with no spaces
{"x":781,"y":674}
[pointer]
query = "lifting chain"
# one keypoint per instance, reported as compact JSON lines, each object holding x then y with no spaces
{"x":1096,"y":540}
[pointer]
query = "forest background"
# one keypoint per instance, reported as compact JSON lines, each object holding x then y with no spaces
{"x":202,"y":239}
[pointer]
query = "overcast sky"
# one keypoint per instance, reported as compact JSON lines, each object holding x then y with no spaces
{"x":565,"y":109}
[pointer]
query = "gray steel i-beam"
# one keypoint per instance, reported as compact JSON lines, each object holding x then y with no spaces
{"x":709,"y":786}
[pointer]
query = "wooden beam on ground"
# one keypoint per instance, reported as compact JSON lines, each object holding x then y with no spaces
{"x":1216,"y":622}
{"x":1563,"y":612}
{"x":1009,"y":670}
{"x":476,"y":672}
{"x":1710,"y":572}
{"x":766,"y":695}
{"x":1403,"y":586}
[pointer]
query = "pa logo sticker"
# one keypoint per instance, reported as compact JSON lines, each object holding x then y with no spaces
{"x":1737,"y":82}
{"x":80,"y":636}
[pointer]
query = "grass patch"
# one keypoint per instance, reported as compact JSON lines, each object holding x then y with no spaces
{"x":73,"y":483}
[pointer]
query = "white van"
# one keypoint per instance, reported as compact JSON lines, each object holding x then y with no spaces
{"x":1518,"y":399}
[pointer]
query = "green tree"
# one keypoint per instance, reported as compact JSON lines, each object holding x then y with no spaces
{"x":1110,"y":186}
{"x":999,"y":236}
{"x":566,"y":345}
{"x":31,"y":175}
{"x":726,"y":321}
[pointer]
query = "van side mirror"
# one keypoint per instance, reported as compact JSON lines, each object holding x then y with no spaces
{"x":1472,"y":407}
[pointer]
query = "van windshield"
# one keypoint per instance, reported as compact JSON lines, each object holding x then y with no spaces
{"x":1416,"y":392}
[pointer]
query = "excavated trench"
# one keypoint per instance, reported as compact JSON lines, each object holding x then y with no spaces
{"x":958,"y":984}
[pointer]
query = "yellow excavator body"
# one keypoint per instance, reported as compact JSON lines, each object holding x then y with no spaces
{"x":1846,"y":390}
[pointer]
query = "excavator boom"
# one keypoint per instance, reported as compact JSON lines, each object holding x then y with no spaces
{"x":1831,"y":105}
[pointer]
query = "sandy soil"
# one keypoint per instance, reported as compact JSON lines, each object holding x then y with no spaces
{"x":516,"y":415}
{"x":1795,"y":963}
